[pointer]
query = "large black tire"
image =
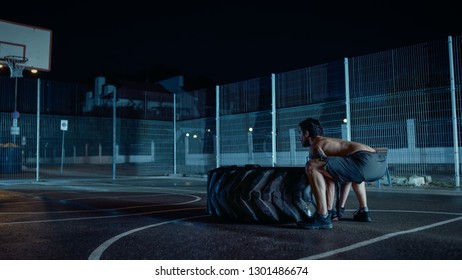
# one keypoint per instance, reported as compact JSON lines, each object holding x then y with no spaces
{"x":253,"y":193}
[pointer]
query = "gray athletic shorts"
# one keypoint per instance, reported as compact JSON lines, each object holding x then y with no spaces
{"x":358,"y":167}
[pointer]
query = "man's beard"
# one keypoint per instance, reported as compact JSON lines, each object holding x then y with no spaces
{"x":306,"y":143}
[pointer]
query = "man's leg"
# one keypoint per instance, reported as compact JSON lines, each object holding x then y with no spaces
{"x":330,"y":194}
{"x":344,"y":192}
{"x":360,"y":191}
{"x":362,"y":214}
{"x":340,"y":204}
{"x":318,"y":184}
{"x":331,"y":197}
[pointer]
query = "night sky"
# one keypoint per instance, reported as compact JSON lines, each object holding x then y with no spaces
{"x":223,"y":41}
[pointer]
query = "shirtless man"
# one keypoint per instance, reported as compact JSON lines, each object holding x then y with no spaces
{"x":336,"y":160}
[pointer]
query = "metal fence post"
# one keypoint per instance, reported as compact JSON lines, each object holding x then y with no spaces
{"x":114,"y":134}
{"x":273,"y":120}
{"x":37,"y":156}
{"x":454,"y":114}
{"x":347,"y":100}
{"x":217,"y":126}
{"x":174,"y":133}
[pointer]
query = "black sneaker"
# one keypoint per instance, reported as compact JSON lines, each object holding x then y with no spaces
{"x":333,"y":215}
{"x":362,"y":215}
{"x":340,"y":212}
{"x":317,"y":223}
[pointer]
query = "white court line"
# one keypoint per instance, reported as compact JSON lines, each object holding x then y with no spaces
{"x":42,"y":200}
{"x":378,"y":239}
{"x":96,"y":254}
{"x":196,"y":198}
{"x":419,"y":212}
{"x":123,"y":188}
{"x":91,"y":211}
{"x":98,"y":217}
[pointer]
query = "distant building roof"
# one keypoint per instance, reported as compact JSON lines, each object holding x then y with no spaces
{"x":133,"y":90}
{"x":125,"y":84}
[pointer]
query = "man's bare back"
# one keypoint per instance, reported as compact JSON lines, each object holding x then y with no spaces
{"x":324,"y":146}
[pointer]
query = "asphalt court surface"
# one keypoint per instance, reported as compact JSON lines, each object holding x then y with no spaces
{"x":165,"y":218}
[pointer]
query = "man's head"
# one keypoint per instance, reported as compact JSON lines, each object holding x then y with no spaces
{"x":309,"y":128}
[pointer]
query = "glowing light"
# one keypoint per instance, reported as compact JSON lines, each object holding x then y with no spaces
{"x":345,"y":120}
{"x":250,"y":129}
{"x":34,"y":71}
{"x":187,"y":134}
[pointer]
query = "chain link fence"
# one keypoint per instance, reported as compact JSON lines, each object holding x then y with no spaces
{"x":405,"y":99}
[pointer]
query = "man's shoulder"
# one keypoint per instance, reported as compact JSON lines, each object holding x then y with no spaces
{"x":324,"y":139}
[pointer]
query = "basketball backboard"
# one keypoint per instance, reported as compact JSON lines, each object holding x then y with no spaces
{"x":31,"y":42}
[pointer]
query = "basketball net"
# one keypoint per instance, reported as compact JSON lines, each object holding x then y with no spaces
{"x":16,"y":64}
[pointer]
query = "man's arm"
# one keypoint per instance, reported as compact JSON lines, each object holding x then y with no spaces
{"x":321,"y":154}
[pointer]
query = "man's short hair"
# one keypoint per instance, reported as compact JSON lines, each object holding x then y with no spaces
{"x":313,"y":126}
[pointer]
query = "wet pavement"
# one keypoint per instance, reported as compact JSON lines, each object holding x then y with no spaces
{"x":165,"y":218}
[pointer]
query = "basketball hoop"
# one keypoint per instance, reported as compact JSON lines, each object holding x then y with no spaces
{"x":16,"y":64}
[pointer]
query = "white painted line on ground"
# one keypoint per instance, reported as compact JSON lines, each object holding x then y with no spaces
{"x":100,"y":250}
{"x":96,"y":254}
{"x":378,"y":239}
{"x":196,"y":199}
{"x":98,"y":217}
